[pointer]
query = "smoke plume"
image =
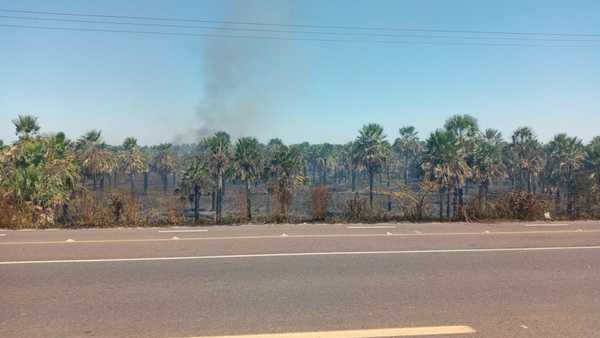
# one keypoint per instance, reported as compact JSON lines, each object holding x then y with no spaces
{"x":242,"y":76}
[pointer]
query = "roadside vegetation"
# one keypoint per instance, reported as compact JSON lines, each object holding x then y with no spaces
{"x":458,"y":173}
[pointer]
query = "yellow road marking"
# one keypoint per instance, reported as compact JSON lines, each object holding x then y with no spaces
{"x":397,"y":332}
{"x":487,"y":234}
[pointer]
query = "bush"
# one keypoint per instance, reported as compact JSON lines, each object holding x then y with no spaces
{"x":356,"y":209}
{"x":520,"y":205}
{"x":319,"y":202}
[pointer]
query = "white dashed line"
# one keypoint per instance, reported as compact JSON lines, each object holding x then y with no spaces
{"x":372,"y":227}
{"x":547,"y":225}
{"x":175,"y":231}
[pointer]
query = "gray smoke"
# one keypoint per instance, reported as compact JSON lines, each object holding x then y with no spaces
{"x":242,"y":76}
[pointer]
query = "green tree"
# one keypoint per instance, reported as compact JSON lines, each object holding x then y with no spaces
{"x":445,"y":163}
{"x":132,"y":160}
{"x":407,"y":147}
{"x":565,"y":156}
{"x":488,"y":165}
{"x":95,"y":158}
{"x":218,"y":149}
{"x":164,"y":163}
{"x":26,"y":126}
{"x":247,"y":160}
{"x":285,"y":175}
{"x":372,"y":150}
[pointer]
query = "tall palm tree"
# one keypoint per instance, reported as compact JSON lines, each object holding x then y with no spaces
{"x":26,"y":126}
{"x":372,"y":150}
{"x":247,"y":158}
{"x":527,"y":157}
{"x":465,"y":129}
{"x":164,"y":163}
{"x":444,"y":161}
{"x":218,"y":149}
{"x":407,"y":147}
{"x":95,"y":158}
{"x":566,"y":155}
{"x":196,"y":175}
{"x":488,"y":165}
{"x":285,"y":175}
{"x":132,"y":160}
{"x":592,"y":159}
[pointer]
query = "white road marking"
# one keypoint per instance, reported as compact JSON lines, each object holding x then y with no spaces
{"x":392,"y":332}
{"x":70,"y":240}
{"x":2,"y":235}
{"x":427,"y":234}
{"x":307,"y":254}
{"x":175,"y":231}
{"x":547,"y":225}
{"x":175,"y":237}
{"x":372,"y":227}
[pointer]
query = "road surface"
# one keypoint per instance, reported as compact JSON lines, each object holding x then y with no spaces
{"x":356,"y":280}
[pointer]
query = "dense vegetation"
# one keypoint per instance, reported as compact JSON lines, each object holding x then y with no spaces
{"x":458,"y":173}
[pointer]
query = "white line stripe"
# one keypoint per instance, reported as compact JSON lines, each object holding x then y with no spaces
{"x":2,"y":235}
{"x":372,"y":227}
{"x":547,"y":225}
{"x":193,"y":230}
{"x":355,"y":235}
{"x":303,"y":254}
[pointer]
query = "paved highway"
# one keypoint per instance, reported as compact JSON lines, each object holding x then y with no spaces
{"x":393,"y":280}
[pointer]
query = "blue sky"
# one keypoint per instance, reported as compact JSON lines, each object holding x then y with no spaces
{"x":155,"y":87}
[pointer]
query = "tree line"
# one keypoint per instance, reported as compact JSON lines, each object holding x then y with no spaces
{"x":454,"y":168}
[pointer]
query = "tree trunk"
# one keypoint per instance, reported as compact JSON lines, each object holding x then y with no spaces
{"x":132,"y":183}
{"x":406,"y":161}
{"x":165,"y":181}
{"x":145,"y":183}
{"x":213,"y":200}
{"x":219,"y":212}
{"x":248,"y":202}
{"x":441,"y":204}
{"x":196,"y":202}
{"x":371,"y":174}
{"x":354,"y":180}
{"x":174,"y":179}
{"x":448,"y":203}
{"x":389,"y":198}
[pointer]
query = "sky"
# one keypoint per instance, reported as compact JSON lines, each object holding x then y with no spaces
{"x":172,"y":88}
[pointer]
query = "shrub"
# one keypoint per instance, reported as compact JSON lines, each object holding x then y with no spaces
{"x":319,"y":201}
{"x":520,"y":205}
{"x":356,"y":209}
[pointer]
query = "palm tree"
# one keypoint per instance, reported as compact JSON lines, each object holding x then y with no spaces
{"x":247,"y":159}
{"x":285,"y":175}
{"x":26,"y":126}
{"x":164,"y":163}
{"x":218,"y":149}
{"x":445,"y":163}
{"x":407,"y":147}
{"x":372,"y":150}
{"x":488,"y":162}
{"x":592,"y":158}
{"x":527,"y":157}
{"x":96,"y":160}
{"x":566,"y":155}
{"x":195,"y":176}
{"x":132,"y":160}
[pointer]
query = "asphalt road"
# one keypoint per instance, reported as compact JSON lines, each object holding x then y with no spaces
{"x":458,"y":280}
